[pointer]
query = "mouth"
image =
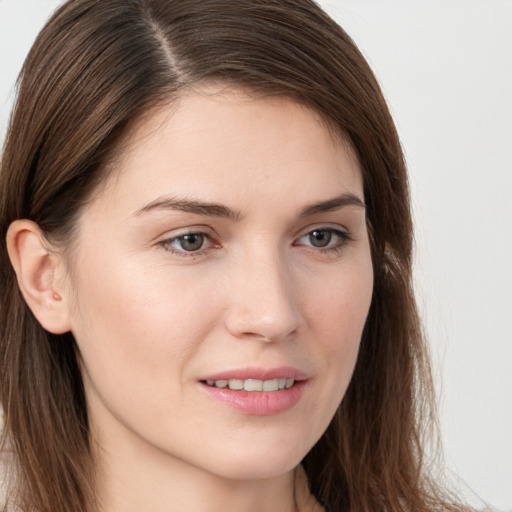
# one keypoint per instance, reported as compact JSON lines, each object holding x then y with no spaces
{"x":257,"y":391}
{"x":251,"y":385}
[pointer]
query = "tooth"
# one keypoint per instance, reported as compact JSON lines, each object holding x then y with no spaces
{"x":270,"y":385}
{"x":236,"y":384}
{"x":253,"y":385}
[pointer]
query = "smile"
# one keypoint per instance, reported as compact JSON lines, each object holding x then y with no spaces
{"x":252,"y":384}
{"x":260,"y":397}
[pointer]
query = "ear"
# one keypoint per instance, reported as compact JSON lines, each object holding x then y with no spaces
{"x":41,"y":276}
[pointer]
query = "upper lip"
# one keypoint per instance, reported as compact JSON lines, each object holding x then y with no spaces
{"x":281,"y":372}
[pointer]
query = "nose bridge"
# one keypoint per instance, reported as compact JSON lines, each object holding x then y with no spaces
{"x":263,"y":301}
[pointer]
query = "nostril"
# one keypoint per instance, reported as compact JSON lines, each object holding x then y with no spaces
{"x":262,"y":307}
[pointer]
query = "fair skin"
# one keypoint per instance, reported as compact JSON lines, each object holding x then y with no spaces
{"x":272,"y":282}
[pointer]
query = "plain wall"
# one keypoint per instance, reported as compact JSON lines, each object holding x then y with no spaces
{"x":446,"y":69}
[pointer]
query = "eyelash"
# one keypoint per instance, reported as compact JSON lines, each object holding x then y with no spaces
{"x":167,"y":244}
{"x":343,"y":238}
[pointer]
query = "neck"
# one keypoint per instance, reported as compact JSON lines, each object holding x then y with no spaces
{"x":131,"y":479}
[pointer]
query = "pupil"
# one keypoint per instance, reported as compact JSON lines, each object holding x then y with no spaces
{"x":320,"y":238}
{"x":192,"y":242}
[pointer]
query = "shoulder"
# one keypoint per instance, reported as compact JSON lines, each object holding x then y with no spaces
{"x":3,"y":480}
{"x":5,"y":467}
{"x":7,"y":481}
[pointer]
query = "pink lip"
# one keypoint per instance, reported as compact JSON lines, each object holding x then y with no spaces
{"x":259,"y":403}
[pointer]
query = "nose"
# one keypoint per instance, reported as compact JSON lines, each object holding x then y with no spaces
{"x":263,"y":303}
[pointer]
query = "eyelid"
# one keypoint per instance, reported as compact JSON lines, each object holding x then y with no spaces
{"x":336,"y":228}
{"x":342,"y":233}
{"x":190,"y":230}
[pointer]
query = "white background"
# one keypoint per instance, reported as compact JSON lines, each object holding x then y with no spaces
{"x":446,"y":70}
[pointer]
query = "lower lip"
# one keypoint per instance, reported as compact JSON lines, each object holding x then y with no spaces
{"x":258,"y":403}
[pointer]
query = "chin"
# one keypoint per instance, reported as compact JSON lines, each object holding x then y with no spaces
{"x":258,"y":461}
{"x":260,"y":469}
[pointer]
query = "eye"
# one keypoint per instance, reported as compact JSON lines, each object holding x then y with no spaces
{"x":188,"y":244}
{"x":320,"y":237}
{"x":325,"y":238}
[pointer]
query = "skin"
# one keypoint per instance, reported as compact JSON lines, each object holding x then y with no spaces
{"x":152,"y":319}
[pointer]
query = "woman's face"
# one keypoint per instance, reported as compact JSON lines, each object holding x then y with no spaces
{"x":228,"y":249}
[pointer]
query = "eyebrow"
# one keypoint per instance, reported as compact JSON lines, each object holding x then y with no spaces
{"x":190,"y":206}
{"x":221,"y":211}
{"x":332,"y":204}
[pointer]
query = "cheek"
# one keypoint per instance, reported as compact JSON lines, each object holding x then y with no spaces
{"x":135,"y":294}
{"x":133,"y":325}
{"x":338,"y":304}
{"x":137,"y":332}
{"x":337,"y":314}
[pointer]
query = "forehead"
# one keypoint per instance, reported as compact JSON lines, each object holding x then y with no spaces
{"x":225,"y":142}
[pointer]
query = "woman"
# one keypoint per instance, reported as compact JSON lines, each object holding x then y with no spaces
{"x":206,"y":268}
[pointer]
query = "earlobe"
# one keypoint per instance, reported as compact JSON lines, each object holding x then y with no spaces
{"x":36,"y":271}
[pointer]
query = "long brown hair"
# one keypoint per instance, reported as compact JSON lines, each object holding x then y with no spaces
{"x":98,"y":65}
